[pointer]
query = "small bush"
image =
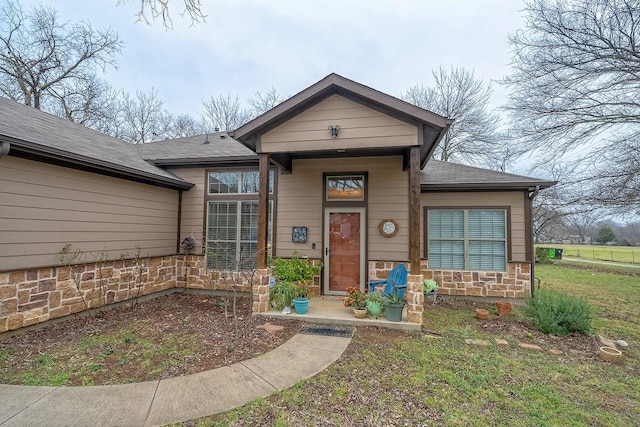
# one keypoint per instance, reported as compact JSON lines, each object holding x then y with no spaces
{"x":542,"y":256}
{"x":557,"y":313}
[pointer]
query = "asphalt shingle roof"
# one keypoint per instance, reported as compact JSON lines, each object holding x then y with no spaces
{"x":193,"y":149}
{"x":446,"y":175}
{"x":35,"y":131}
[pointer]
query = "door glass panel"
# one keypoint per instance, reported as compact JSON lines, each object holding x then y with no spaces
{"x":344,"y":251}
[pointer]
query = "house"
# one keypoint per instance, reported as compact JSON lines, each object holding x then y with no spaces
{"x":340,"y":173}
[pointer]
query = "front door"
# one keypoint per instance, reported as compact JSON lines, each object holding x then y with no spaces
{"x":344,"y":252}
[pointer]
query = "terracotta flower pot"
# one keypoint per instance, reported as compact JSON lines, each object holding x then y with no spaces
{"x":482,"y":314}
{"x":610,"y":354}
{"x":360,"y":313}
{"x":504,"y":308}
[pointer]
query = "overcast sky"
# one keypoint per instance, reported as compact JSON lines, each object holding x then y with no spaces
{"x":249,"y":46}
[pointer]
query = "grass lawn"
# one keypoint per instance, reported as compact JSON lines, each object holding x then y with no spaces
{"x":621,"y":254}
{"x":435,"y":378}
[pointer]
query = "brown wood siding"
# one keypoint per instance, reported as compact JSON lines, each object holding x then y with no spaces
{"x":300,"y":203}
{"x":360,"y":127}
{"x":193,"y":205}
{"x":484,"y":199}
{"x":45,"y":207}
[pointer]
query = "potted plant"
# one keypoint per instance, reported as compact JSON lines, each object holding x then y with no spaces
{"x":430,"y":290}
{"x":282,"y":294}
{"x":300,"y":273}
{"x":356,"y":300}
{"x":301,"y":300}
{"x":393,"y":306}
{"x":374,"y":301}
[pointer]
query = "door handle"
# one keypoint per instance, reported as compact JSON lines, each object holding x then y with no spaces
{"x":326,"y":251}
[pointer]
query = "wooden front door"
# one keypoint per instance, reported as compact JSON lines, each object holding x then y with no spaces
{"x":344,"y":259}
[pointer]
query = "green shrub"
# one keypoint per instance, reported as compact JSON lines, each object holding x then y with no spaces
{"x":557,"y":313}
{"x":542,"y":256}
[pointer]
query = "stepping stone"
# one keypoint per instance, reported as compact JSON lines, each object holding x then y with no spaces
{"x":477,"y":342}
{"x":607,"y":342}
{"x":270,"y":328}
{"x":501,"y":342}
{"x":530,"y":346}
{"x":556,"y":351}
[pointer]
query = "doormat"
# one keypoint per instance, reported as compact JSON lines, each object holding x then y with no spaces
{"x":328,"y":330}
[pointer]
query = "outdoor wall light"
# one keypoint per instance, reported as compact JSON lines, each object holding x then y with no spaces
{"x":334,"y":130}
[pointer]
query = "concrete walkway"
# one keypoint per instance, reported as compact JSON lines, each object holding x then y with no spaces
{"x":175,"y":399}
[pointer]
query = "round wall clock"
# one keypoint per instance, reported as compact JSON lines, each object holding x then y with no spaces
{"x":388,"y":227}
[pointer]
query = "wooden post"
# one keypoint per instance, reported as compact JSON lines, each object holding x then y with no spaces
{"x":414,"y":209}
{"x":263,"y":210}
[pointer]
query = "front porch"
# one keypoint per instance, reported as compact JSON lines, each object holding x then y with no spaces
{"x":329,"y":309}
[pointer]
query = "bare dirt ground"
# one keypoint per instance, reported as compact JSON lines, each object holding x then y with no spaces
{"x":168,"y":336}
{"x":181,"y":334}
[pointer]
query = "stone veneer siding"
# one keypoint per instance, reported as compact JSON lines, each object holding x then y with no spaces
{"x":514,"y":283}
{"x":28,"y":297}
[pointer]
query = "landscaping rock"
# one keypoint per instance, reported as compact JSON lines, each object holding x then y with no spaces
{"x":530,"y":346}
{"x":270,"y":328}
{"x":606,"y":341}
{"x":556,"y":351}
{"x":622,"y":343}
{"x":501,"y":342}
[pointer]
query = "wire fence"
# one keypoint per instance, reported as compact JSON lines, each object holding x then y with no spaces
{"x":618,"y":254}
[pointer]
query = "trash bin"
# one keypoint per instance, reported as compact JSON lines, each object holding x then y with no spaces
{"x":558,"y":254}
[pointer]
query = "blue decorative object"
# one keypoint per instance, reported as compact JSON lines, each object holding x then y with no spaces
{"x":396,"y":283}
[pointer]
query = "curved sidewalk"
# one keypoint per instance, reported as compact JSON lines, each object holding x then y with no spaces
{"x":174,"y":399}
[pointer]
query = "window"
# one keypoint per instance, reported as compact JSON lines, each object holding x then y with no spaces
{"x":232,"y":219}
{"x":467,"y":239}
{"x":237,"y":182}
{"x":345,"y":187}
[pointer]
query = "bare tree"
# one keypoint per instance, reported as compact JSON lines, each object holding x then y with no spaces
{"x":143,"y":116}
{"x":181,"y":126}
{"x":51,"y":65}
{"x":263,"y":102}
{"x":574,"y":89}
{"x":225,"y":113}
{"x":151,"y":10}
{"x":458,"y":94}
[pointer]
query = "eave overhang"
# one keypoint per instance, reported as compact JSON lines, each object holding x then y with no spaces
{"x":486,"y":186}
{"x":47,"y":154}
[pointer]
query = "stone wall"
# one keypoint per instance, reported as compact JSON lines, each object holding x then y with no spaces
{"x":33,"y":296}
{"x":514,"y":283}
{"x":28,"y":297}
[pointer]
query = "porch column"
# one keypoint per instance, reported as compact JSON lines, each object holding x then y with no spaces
{"x":263,"y":211}
{"x":414,"y":296}
{"x":414,"y":210}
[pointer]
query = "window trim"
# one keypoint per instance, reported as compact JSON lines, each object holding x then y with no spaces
{"x":507,"y":210}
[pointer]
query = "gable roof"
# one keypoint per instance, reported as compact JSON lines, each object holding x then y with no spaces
{"x":431,"y":126}
{"x":41,"y":136}
{"x":447,"y":176}
{"x":193,"y":150}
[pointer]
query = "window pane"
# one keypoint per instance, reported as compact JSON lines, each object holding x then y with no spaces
{"x":446,"y":254}
{"x":487,"y":224}
{"x":223,"y":182}
{"x":250,"y":182}
{"x":446,"y":223}
{"x":487,"y":255}
{"x":221,"y":255}
{"x":222,"y":219}
{"x":345,"y":187}
{"x":249,"y":221}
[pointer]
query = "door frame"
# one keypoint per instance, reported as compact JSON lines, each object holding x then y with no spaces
{"x":363,"y":245}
